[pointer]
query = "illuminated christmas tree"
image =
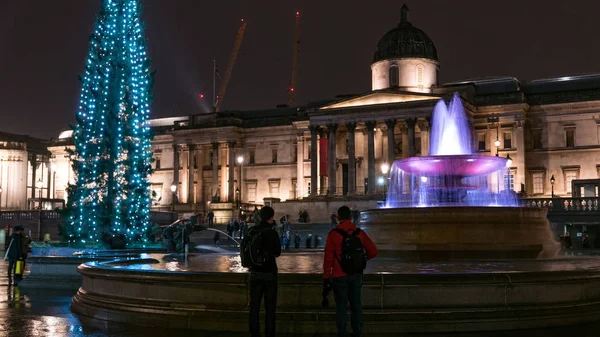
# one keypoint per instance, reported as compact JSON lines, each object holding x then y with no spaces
{"x":112,"y":157}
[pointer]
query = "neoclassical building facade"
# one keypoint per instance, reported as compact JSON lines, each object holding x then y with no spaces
{"x":334,"y":149}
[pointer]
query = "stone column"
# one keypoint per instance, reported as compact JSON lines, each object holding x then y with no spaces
{"x":322,"y":188}
{"x":215,"y":171}
{"x":49,"y":182}
{"x":231,"y":164}
{"x":299,"y":192}
{"x":332,"y":164}
{"x":191,"y":153}
{"x":351,"y":158}
{"x":519,"y":160}
{"x":176,"y":172}
{"x":410,"y":123}
{"x":313,"y":160}
{"x":391,"y":154}
{"x":371,"y":157}
{"x":200,"y":177}
{"x":404,"y":131}
{"x":424,"y":127}
{"x":33,"y":175}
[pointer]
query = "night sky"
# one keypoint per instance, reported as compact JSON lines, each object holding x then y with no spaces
{"x":43,"y":45}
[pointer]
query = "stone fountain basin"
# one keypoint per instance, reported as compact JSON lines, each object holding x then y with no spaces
{"x":411,"y":298}
{"x":455,"y":232}
{"x":455,"y":165}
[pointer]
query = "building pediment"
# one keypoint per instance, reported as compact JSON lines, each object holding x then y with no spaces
{"x":380,"y":98}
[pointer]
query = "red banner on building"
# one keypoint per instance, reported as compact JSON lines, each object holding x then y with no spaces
{"x":323,"y":144}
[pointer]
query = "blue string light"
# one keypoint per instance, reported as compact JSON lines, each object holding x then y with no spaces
{"x":112,"y":157}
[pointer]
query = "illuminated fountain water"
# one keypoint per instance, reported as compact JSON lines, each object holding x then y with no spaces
{"x":451,"y":175}
{"x":439,"y":206}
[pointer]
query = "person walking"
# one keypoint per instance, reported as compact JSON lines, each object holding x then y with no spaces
{"x":211,"y":217}
{"x":14,"y":254}
{"x":259,"y":250}
{"x":347,"y":251}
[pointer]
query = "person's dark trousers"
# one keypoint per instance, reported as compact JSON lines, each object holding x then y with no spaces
{"x":347,"y":289}
{"x":12,"y":264}
{"x":263,"y":285}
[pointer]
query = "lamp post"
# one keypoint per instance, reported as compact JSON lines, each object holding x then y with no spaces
{"x":384,"y":169}
{"x":238,"y":191}
{"x":552,"y":181}
{"x":237,"y":197}
{"x":174,"y":195}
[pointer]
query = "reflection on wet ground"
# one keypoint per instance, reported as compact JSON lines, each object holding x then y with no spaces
{"x":312,"y":262}
{"x":38,"y":312}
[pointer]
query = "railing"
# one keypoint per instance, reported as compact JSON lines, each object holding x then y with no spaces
{"x":583,"y":204}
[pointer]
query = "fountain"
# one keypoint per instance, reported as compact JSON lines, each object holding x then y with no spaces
{"x":476,"y":215}
{"x":446,"y":206}
{"x":451,"y":175}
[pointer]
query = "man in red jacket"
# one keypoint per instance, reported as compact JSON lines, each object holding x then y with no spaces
{"x":346,"y":288}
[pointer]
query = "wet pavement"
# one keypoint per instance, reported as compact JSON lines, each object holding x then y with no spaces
{"x":38,"y":312}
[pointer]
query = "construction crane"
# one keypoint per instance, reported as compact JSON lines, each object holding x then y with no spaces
{"x":292,"y":87}
{"x":232,"y":59}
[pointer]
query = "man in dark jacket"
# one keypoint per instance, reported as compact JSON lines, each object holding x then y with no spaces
{"x":263,"y":279}
{"x":345,"y":287}
{"x":15,"y":253}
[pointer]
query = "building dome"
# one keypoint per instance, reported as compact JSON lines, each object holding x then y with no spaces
{"x":405,"y":41}
{"x":405,"y":59}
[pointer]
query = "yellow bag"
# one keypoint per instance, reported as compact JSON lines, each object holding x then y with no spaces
{"x":19,"y":267}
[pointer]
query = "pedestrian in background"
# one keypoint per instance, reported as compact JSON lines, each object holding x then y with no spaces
{"x":13,"y":254}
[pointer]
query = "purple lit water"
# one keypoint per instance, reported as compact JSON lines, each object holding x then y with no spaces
{"x":451,"y":175}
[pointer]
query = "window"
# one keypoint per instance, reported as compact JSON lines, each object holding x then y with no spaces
{"x":295,"y":159}
{"x":309,"y":151}
{"x":538,"y":182}
{"x":509,"y":181}
{"x":251,"y":191}
{"x":157,"y":163}
{"x":420,"y":75}
{"x":508,"y":140}
{"x":536,"y":139}
{"x":394,"y":76}
{"x":569,"y":177}
{"x":251,"y":159}
{"x":274,"y":188}
{"x":273,"y":156}
{"x":570,"y":137}
{"x":481,"y":141}
{"x":156,"y":194}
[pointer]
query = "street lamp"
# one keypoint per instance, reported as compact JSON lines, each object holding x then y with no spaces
{"x":173,"y":191}
{"x":385,"y":169}
{"x":240,"y":160}
{"x":508,"y":161}
{"x":552,"y":181}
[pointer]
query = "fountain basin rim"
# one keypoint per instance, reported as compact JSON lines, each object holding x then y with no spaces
{"x":463,"y":165}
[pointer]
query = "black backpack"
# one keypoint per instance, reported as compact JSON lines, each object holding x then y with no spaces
{"x":354,"y":258}
{"x":254,"y":249}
